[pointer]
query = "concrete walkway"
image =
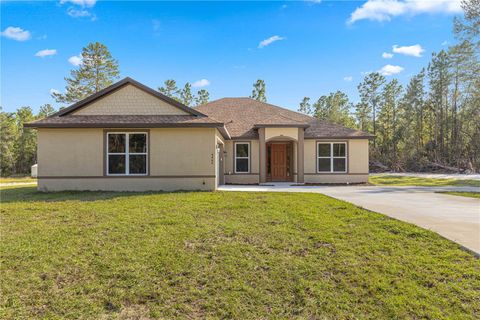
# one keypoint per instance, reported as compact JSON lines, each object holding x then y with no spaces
{"x":454,"y":217}
{"x":7,"y":184}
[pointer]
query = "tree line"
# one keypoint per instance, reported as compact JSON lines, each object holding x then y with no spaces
{"x":432,"y":122}
{"x":18,"y":144}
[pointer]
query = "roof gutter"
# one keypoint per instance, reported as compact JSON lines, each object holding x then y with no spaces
{"x":223,"y":130}
{"x":339,"y":137}
{"x":124,"y":125}
{"x":220,"y":126}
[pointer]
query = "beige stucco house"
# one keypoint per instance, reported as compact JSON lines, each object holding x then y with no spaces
{"x":129,"y":137}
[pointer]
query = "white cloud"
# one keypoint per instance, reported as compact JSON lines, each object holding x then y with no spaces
{"x":45,"y":53}
{"x":16,"y":33}
{"x":348,"y":78}
{"x":414,"y":51}
{"x":82,"y":3}
{"x":269,"y":41}
{"x":387,"y":55}
{"x":444,"y":43}
{"x":389,"y":70}
{"x":75,"y":60}
{"x":79,"y":9}
{"x":384,"y":10}
{"x":314,"y":1}
{"x":201,"y":83}
{"x":52,"y":91}
{"x":72,"y":12}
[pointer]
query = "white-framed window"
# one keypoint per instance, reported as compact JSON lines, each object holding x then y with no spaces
{"x":127,"y":153}
{"x":242,"y":157}
{"x":331,"y":157}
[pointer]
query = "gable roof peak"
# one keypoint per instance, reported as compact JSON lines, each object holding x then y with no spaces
{"x":120,"y":84}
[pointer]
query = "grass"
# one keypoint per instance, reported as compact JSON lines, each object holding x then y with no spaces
{"x":105,"y":255}
{"x":463,"y":194}
{"x":417,"y":181}
{"x":16,"y":179}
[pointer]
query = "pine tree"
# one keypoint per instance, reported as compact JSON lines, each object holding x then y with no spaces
{"x":465,"y":99}
{"x":46,"y":110}
{"x":259,"y":91}
{"x":170,"y":89}
{"x":26,"y":143}
{"x":388,"y":123}
{"x":305,"y":106}
{"x":334,"y":108}
{"x":363,"y":114}
{"x":186,"y":96}
{"x":468,"y":27}
{"x":8,"y":137}
{"x":439,"y":81}
{"x":202,"y":97}
{"x":369,"y":91}
{"x":97,"y":71}
{"x":412,"y":116}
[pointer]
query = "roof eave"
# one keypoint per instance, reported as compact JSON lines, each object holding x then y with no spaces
{"x":339,"y":137}
{"x":123,"y":125}
{"x":299,"y":125}
{"x":224,"y":132}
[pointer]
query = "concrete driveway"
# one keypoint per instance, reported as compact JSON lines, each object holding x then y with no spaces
{"x":454,"y":217}
{"x":456,"y":176}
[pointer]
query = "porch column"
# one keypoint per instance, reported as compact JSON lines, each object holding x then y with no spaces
{"x":300,"y":155}
{"x":262,"y":155}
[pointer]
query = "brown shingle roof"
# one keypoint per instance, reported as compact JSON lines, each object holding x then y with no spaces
{"x":235,"y":117}
{"x":242,"y":115}
{"x":324,"y":129}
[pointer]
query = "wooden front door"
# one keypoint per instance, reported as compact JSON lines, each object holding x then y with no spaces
{"x":279,"y":162}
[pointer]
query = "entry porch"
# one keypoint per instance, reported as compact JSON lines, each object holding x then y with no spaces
{"x":277,"y":155}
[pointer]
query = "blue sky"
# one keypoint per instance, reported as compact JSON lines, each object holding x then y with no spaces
{"x":309,"y":48}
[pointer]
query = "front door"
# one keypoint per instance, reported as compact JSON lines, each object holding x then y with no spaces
{"x":279,"y":162}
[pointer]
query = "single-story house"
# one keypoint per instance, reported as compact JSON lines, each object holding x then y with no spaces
{"x":129,"y":137}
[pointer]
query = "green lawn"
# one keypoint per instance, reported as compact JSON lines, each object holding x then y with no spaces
{"x":223,"y":255}
{"x":388,"y":180}
{"x":16,"y":179}
{"x":464,"y":194}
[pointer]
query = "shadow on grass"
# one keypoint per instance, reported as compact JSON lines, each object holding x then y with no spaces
{"x":31,"y":194}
